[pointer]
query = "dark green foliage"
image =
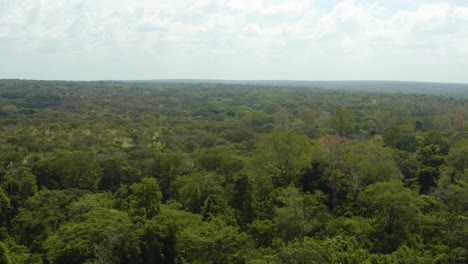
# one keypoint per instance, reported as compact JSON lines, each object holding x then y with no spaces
{"x":243,"y":200}
{"x":400,"y":137}
{"x":122,"y":172}
{"x":5,"y":207}
{"x":104,"y":235}
{"x":196,"y":188}
{"x":42,"y":215}
{"x":220,"y":159}
{"x":213,"y":242}
{"x":300,"y":215}
{"x":303,"y":253}
{"x":145,"y":198}
{"x":167,"y":167}
{"x":397,"y":211}
{"x":283,"y":155}
{"x":116,"y":171}
{"x":4,"y":254}
{"x":458,"y":157}
{"x":158,"y":241}
{"x":68,"y":169}
{"x":263,"y":232}
{"x":217,"y":207}
{"x":431,"y":160}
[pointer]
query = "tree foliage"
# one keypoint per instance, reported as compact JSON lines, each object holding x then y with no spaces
{"x":283,"y":154}
{"x":164,"y":172}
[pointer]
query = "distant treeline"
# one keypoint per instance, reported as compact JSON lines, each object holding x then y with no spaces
{"x":429,"y":88}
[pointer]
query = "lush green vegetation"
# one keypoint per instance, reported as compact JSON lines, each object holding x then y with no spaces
{"x":113,"y":172}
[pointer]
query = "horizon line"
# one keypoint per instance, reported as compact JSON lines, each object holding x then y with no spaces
{"x":234,"y":80}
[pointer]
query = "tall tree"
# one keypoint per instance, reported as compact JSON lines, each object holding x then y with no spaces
{"x":300,"y":214}
{"x":283,"y":154}
{"x":243,"y":200}
{"x":194,"y":189}
{"x":366,"y":163}
{"x":397,"y":211}
{"x":102,"y":235}
{"x":116,"y":171}
{"x":146,"y":196}
{"x":332,"y":150}
{"x":458,"y":158}
{"x":431,"y":159}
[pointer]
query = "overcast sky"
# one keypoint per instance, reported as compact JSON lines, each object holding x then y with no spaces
{"x":235,"y":39}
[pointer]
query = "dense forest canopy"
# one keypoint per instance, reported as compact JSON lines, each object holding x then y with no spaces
{"x":154,"y":172}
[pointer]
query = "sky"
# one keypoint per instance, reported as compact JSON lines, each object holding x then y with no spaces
{"x":410,"y":40}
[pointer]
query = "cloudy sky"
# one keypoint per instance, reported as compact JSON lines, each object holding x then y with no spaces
{"x":235,"y":39}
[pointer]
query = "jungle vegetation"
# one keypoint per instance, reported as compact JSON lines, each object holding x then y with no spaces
{"x":136,"y":172}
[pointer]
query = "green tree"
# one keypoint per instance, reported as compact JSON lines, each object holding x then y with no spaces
{"x":116,"y":171}
{"x":166,"y":167}
{"x":146,"y":196}
{"x":436,"y":137}
{"x":221,"y":159}
{"x":194,"y":189}
{"x":5,"y":207}
{"x":282,"y":118}
{"x":68,"y":169}
{"x":454,"y":196}
{"x":102,"y":235}
{"x":309,"y":252}
{"x":458,"y":158}
{"x":42,"y":215}
{"x":217,"y":207}
{"x":17,"y":185}
{"x":158,"y":237}
{"x":258,"y":120}
{"x":263,"y":232}
{"x":20,"y":184}
{"x":300,"y":214}
{"x":283,"y":154}
{"x":4,"y":254}
{"x":89,"y":202}
{"x":366,"y":163}
{"x":431,"y":159}
{"x":213,"y":242}
{"x":243,"y":200}
{"x":343,"y":121}
{"x":397,"y":212}
{"x":400,"y":137}
{"x":331,"y":151}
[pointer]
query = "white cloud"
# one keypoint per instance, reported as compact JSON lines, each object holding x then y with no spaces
{"x":283,"y":39}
